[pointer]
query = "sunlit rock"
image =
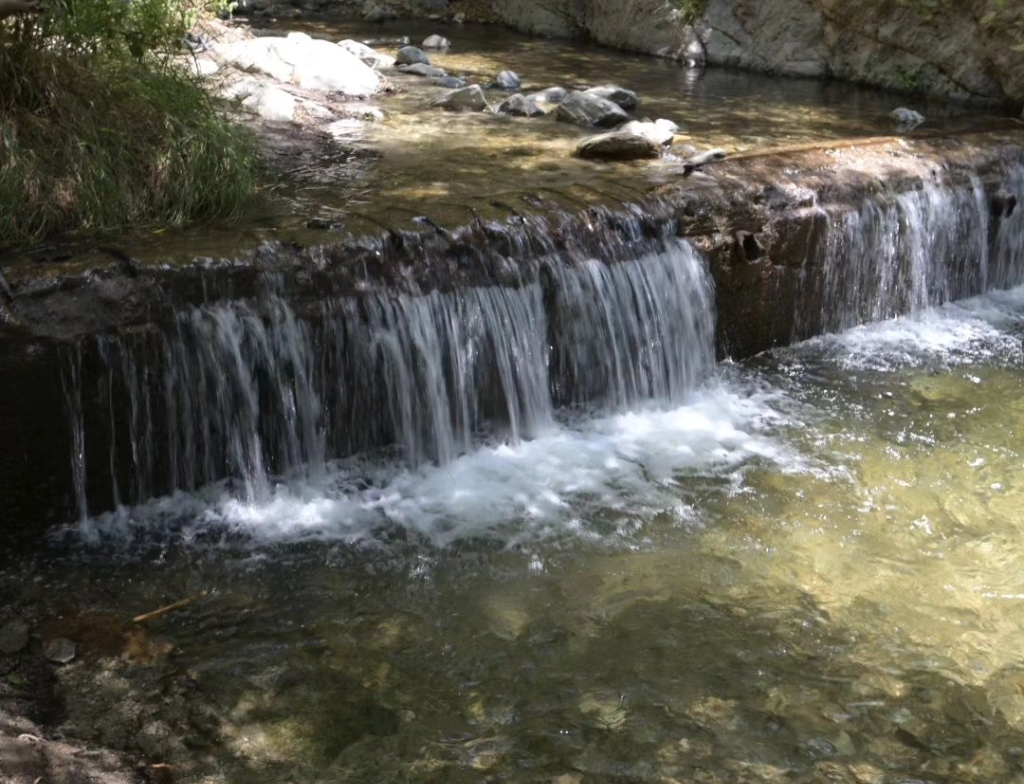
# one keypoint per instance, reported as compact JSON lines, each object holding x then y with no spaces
{"x":467,"y":99}
{"x":422,"y":69}
{"x":584,"y":108}
{"x":408,"y":55}
{"x":367,"y":54}
{"x":264,"y":100}
{"x":660,"y":132}
{"x":507,"y":80}
{"x":519,"y":105}
{"x":436,"y":42}
{"x":617,"y":95}
{"x":552,"y":95}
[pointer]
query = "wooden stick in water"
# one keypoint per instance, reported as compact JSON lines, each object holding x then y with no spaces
{"x":169,"y":608}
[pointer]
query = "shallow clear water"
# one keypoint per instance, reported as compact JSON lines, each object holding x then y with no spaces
{"x":810,"y":570}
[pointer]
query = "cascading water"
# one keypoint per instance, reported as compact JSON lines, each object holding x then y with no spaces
{"x":248,"y":389}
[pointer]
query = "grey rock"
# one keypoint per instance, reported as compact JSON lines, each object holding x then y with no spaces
{"x":368,"y":55}
{"x":617,"y":146}
{"x":467,"y":99}
{"x":436,"y":42}
{"x":588,"y":109}
{"x":612,"y":92}
{"x":59,"y":650}
{"x":519,"y":105}
{"x":422,"y":69}
{"x":906,"y":119}
{"x":451,"y":82}
{"x":13,"y":636}
{"x":701,"y":159}
{"x":507,"y":80}
{"x":374,"y":12}
{"x":408,"y":55}
{"x":660,"y":131}
{"x":550,"y":95}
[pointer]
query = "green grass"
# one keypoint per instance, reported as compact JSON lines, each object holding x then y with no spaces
{"x":96,"y":139}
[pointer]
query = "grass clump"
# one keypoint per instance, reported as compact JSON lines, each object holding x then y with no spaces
{"x":101,"y":128}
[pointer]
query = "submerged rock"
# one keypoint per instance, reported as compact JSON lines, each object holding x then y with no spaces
{"x":59,"y":650}
{"x":906,"y":119}
{"x":13,"y":637}
{"x":507,"y":80}
{"x":422,"y":69}
{"x":467,"y":99}
{"x":617,"y":146}
{"x":617,"y":95}
{"x":451,"y":82}
{"x":409,"y":55}
{"x":584,"y":108}
{"x":519,"y":105}
{"x":436,"y":42}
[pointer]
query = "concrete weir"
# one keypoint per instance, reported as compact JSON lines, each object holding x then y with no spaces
{"x":133,"y":379}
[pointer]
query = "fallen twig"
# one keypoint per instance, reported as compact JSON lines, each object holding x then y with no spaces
{"x":161,"y":611}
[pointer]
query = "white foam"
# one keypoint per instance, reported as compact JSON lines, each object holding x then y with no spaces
{"x":547,"y":487}
{"x":980,"y":328}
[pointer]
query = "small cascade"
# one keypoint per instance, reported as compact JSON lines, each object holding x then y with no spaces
{"x":902,"y":252}
{"x":250,"y":389}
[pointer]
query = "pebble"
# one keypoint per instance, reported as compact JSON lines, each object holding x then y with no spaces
{"x":59,"y":650}
{"x":13,"y":637}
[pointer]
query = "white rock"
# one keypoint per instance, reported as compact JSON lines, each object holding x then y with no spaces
{"x":367,"y":54}
{"x":266,"y":100}
{"x":303,"y":61}
{"x":659,"y":131}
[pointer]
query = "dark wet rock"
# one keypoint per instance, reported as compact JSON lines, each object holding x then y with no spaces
{"x":519,"y":105}
{"x":701,"y":159}
{"x":375,"y":12}
{"x":583,"y":108}
{"x":549,"y":95}
{"x":409,"y":55}
{"x":617,"y":146}
{"x":59,"y":650}
{"x":1003,"y":205}
{"x":906,"y":119}
{"x":451,"y":82}
{"x":507,"y":80}
{"x":422,"y":69}
{"x":660,"y":131}
{"x":467,"y":99}
{"x":13,"y":637}
{"x":436,"y":42}
{"x":617,"y":95}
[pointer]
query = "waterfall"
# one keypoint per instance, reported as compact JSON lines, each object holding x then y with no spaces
{"x":902,"y":252}
{"x":250,"y":389}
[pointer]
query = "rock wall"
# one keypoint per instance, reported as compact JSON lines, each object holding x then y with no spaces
{"x":950,"y":50}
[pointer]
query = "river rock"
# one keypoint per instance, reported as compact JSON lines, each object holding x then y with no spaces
{"x":436,"y":42}
{"x":13,"y":637}
{"x":367,"y":54}
{"x":422,"y":69}
{"x":552,"y":95}
{"x":906,"y":119}
{"x":660,"y":131}
{"x":451,"y":82}
{"x":519,"y":105}
{"x":617,"y":146}
{"x":467,"y":99}
{"x":507,"y":80}
{"x":264,"y":100}
{"x":618,"y":95}
{"x":584,"y":108}
{"x":408,"y":55}
{"x":303,"y":61}
{"x":59,"y":650}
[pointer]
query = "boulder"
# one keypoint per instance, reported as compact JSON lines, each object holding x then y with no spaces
{"x":367,"y":54}
{"x":409,"y":55}
{"x":467,"y":99}
{"x":507,"y":80}
{"x":612,"y":92}
{"x":436,"y":42}
{"x":422,"y":69}
{"x":264,"y":100}
{"x":519,"y":105}
{"x":13,"y":637}
{"x":906,"y":119}
{"x":550,"y":95}
{"x":617,"y":146}
{"x":303,"y":61}
{"x":584,"y":108}
{"x":660,"y":131}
